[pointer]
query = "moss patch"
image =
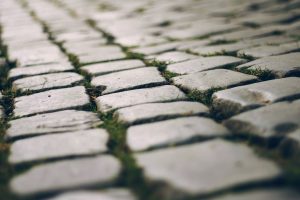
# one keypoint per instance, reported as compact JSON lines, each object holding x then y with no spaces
{"x":203,"y":97}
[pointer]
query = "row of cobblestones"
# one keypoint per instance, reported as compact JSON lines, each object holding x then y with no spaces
{"x":150,"y":99}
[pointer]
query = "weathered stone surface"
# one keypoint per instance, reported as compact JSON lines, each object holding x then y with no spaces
{"x":101,"y":170}
{"x":37,"y":70}
{"x":281,"y":65}
{"x":174,"y":131}
{"x":140,"y":96}
{"x":263,"y":194}
{"x":48,"y":81}
{"x":269,"y":50}
{"x":202,"y":64}
{"x":218,"y":78}
{"x":108,"y":194}
{"x":62,"y":121}
{"x":154,"y":111}
{"x":78,"y":143}
{"x":202,"y":174}
{"x":272,"y":121}
{"x":129,"y":79}
{"x":95,"y":58}
{"x":156,"y":49}
{"x":173,"y":57}
{"x":238,"y":99}
{"x":114,"y":66}
{"x":52,"y":100}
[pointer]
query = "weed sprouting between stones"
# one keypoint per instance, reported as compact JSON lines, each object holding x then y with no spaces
{"x":203,"y":97}
{"x":131,"y":175}
{"x":263,"y":74}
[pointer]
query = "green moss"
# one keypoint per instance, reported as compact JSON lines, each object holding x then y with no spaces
{"x":161,"y":65}
{"x":132,"y":55}
{"x":203,"y":97}
{"x":131,"y":175}
{"x":168,"y":75}
{"x":263,"y":74}
{"x":221,"y":41}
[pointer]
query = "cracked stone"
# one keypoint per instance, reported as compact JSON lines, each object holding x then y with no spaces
{"x":240,"y":166}
{"x":269,"y":50}
{"x":84,"y":172}
{"x":173,"y":57}
{"x":174,"y":131}
{"x":203,"y":81}
{"x":16,"y":73}
{"x":52,"y":100}
{"x":282,"y":65}
{"x":57,"y":122}
{"x":238,"y":99}
{"x":154,"y":111}
{"x":47,"y":81}
{"x":203,"y":64}
{"x":140,"y":96}
{"x":78,"y":143}
{"x":108,"y":194}
{"x":113,"y":66}
{"x":272,"y":121}
{"x":129,"y":79}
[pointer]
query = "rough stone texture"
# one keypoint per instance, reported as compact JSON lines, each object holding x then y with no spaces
{"x":62,"y":121}
{"x":37,"y":70}
{"x":156,"y":49}
{"x":101,"y":170}
{"x":52,"y":100}
{"x":79,"y":143}
{"x":203,"y":81}
{"x":114,"y":66}
{"x":170,"y":132}
{"x":243,"y":98}
{"x":269,"y":50}
{"x":202,"y":174}
{"x":263,"y":194}
{"x":173,"y":57}
{"x":202,"y":64}
{"x":95,"y":58}
{"x":155,"y":111}
{"x":48,"y":81}
{"x":140,"y":96}
{"x":129,"y":79}
{"x":108,"y":194}
{"x":281,"y":66}
{"x":272,"y":121}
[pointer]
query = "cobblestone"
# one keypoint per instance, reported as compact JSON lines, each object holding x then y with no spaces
{"x":111,"y":194}
{"x":47,"y":81}
{"x":109,"y":67}
{"x":105,"y":94}
{"x":275,"y":194}
{"x":101,"y":170}
{"x":203,"y":176}
{"x":52,"y":100}
{"x":204,"y":81}
{"x":281,"y":66}
{"x":140,"y":96}
{"x":268,"y":122}
{"x":38,"y":70}
{"x":80,"y":143}
{"x":153,"y":111}
{"x":170,"y":132}
{"x":202,"y":64}
{"x":62,"y":121}
{"x":129,"y":79}
{"x":247,"y":97}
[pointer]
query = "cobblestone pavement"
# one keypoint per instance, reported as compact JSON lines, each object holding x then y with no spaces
{"x":150,"y":100}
